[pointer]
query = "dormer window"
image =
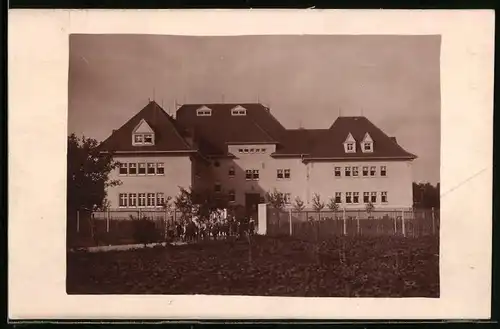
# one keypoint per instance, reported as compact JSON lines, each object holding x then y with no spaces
{"x":143,"y":134}
{"x":238,"y":110}
{"x":204,"y":112}
{"x":350,"y":144}
{"x":367,"y":143}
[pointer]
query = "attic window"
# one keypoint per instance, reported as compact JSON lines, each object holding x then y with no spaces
{"x":204,"y":112}
{"x":350,"y":144}
{"x":367,"y":144}
{"x":238,"y":111}
{"x":143,"y":134}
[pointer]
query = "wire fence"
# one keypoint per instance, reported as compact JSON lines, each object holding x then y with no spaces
{"x":320,"y":225}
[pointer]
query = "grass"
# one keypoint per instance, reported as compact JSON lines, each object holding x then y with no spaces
{"x":338,"y":267}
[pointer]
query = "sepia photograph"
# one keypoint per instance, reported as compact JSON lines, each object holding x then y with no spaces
{"x":254,"y":165}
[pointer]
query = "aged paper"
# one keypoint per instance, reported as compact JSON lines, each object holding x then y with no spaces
{"x":38,"y":125}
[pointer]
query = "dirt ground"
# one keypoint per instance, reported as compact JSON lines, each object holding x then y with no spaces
{"x":338,"y":267}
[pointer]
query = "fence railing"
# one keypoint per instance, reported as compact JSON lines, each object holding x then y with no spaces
{"x":323,"y":224}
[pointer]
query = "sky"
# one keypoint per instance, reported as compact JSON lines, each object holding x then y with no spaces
{"x":307,"y":81}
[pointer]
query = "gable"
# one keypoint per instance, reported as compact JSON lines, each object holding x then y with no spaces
{"x":367,"y":138}
{"x":349,"y":139}
{"x":143,"y":128}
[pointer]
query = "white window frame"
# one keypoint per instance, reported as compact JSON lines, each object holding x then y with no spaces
{"x":372,"y":195}
{"x":382,"y":195}
{"x":348,"y":197}
{"x":149,"y":197}
{"x":354,"y":196}
{"x":122,"y":200}
{"x":339,"y":196}
{"x":366,"y":195}
{"x":347,"y":169}
{"x":355,"y":171}
{"x":287,"y":172}
{"x":139,"y":167}
{"x":280,"y":174}
{"x":232,"y":196}
{"x":383,"y":169}
{"x":143,"y":198}
{"x":158,"y":166}
{"x":367,"y":171}
{"x":373,"y":171}
{"x":204,"y":112}
{"x":247,"y":173}
{"x":339,"y":170}
{"x":255,"y":171}
{"x":123,"y":165}
{"x":238,"y":111}
{"x":151,"y":165}
{"x":160,"y":199}
{"x":132,"y":197}
{"x":130,"y":166}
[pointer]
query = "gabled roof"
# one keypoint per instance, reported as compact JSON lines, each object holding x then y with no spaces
{"x":214,"y":132}
{"x":331,"y":144}
{"x":168,"y":136}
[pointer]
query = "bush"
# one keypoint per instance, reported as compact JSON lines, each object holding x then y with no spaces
{"x":145,"y":231}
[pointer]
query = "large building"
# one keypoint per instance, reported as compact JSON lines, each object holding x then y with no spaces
{"x":243,"y":151}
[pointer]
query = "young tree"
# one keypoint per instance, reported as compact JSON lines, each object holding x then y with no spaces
{"x":318,"y":205}
{"x":369,"y":208}
{"x":276,"y":199}
{"x":333,"y":206}
{"x":88,"y":174}
{"x":184,"y":203}
{"x":298,"y":204}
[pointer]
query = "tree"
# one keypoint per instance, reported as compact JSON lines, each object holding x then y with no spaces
{"x":333,"y":206}
{"x":369,"y":208}
{"x":88,"y":175}
{"x":276,"y":199}
{"x":184,"y":203}
{"x":318,"y":205}
{"x":298,"y":204}
{"x":426,"y":196}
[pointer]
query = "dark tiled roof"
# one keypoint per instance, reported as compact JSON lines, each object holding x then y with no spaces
{"x":214,"y":132}
{"x":299,"y":141}
{"x":330,"y":145}
{"x":168,"y":135}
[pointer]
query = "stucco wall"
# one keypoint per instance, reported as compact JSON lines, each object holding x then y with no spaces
{"x":177,"y":173}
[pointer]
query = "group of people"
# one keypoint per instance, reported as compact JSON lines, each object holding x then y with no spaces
{"x":219,"y":225}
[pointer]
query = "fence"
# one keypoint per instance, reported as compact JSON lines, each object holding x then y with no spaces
{"x":324,"y":224}
{"x":115,"y":227}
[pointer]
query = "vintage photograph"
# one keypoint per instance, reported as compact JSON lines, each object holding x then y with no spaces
{"x":276,"y":165}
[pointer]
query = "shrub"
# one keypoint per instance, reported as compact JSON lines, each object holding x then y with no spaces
{"x":145,"y":231}
{"x":318,"y":205}
{"x":299,"y":204}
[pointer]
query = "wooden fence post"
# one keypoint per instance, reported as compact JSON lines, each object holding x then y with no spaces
{"x":396,"y":225}
{"x":107,"y":222}
{"x":344,"y":222}
{"x":357,"y":224}
{"x":433,"y":222}
{"x":78,"y":221}
{"x":290,"y":220}
{"x":403,"y":222}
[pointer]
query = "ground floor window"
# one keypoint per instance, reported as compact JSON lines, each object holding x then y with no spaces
{"x":142,"y":199}
{"x":132,"y":200}
{"x":122,"y":200}
{"x":383,"y":196}
{"x":338,"y":197}
{"x":355,"y":197}
{"x":366,"y":197}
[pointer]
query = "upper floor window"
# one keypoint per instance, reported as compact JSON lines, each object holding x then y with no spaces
{"x":255,"y":174}
{"x":383,"y":196}
{"x":350,"y":144}
{"x":143,"y":134}
{"x":132,"y":168}
{"x":383,"y":171}
{"x":217,"y":187}
{"x":365,"y":171}
{"x":338,"y":197}
{"x":373,"y":170}
{"x":151,"y":169}
{"x":288,"y":198}
{"x":367,"y":143}
{"x":355,"y":172}
{"x":160,"y":169}
{"x":232,"y":196}
{"x":337,"y":172}
{"x":123,"y":169}
{"x":204,"y":112}
{"x":347,"y":171}
{"x":283,"y":173}
{"x":238,"y":110}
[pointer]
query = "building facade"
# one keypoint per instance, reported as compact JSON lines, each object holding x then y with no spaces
{"x":242,"y":151}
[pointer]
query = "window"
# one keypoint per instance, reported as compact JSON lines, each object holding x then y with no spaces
{"x":367,"y":143}
{"x":245,"y":150}
{"x":160,"y":169}
{"x":372,"y":171}
{"x":238,"y":111}
{"x":148,"y":139}
{"x":142,"y":199}
{"x":383,"y":196}
{"x":217,"y":187}
{"x":203,"y":112}
{"x":248,"y":174}
{"x":160,"y":199}
{"x":355,"y":171}
{"x":263,"y":150}
{"x":365,"y":171}
{"x":347,"y":171}
{"x":240,"y":150}
{"x":366,"y":197}
{"x":123,"y":168}
{"x":151,"y":199}
{"x":132,"y":200}
{"x":348,"y":197}
{"x":383,"y":171}
{"x":350,"y":146}
{"x":287,"y":173}
{"x":232,"y":196}
{"x":337,"y":171}
{"x":373,"y":197}
{"x":138,"y":138}
{"x":132,"y":168}
{"x":338,"y":197}
{"x":255,"y":174}
{"x":367,"y":146}
{"x":151,"y":169}
{"x":355,"y":198}
{"x":288,"y":198}
{"x":123,"y":200}
{"x":231,"y":172}
{"x":279,"y":174}
{"x":142,"y":169}
{"x":252,"y":150}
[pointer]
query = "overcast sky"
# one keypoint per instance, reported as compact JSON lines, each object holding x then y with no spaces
{"x":306,"y":80}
